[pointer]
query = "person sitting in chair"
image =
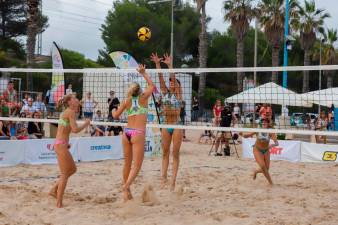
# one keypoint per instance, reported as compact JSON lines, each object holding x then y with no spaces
{"x":226,"y":120}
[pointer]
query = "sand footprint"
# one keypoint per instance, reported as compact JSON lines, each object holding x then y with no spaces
{"x":149,"y":197}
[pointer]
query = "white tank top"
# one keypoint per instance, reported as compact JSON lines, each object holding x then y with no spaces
{"x":88,"y":105}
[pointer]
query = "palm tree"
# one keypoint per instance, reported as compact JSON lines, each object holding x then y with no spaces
{"x":239,"y":13}
{"x":32,"y":30}
{"x":329,"y":54}
{"x":272,"y":18}
{"x":202,"y":49}
{"x":309,"y":23}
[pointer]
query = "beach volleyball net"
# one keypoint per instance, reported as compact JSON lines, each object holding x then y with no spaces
{"x":253,"y":96}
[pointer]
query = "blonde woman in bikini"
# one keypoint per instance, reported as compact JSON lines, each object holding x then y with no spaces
{"x":66,"y":125}
{"x":261,"y":150}
{"x":134,"y":136}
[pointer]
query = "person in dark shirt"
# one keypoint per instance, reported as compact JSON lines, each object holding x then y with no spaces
{"x":226,"y":119}
{"x":113,"y":103}
{"x":35,"y":130}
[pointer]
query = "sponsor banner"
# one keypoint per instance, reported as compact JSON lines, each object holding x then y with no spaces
{"x":318,"y":152}
{"x":287,"y":150}
{"x":11,"y":153}
{"x":42,"y":152}
{"x":99,"y":148}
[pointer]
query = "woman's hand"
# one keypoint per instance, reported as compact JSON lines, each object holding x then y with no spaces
{"x":154,"y":57}
{"x":141,"y":69}
{"x":167,"y":60}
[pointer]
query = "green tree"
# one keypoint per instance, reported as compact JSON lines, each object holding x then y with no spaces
{"x":239,"y":13}
{"x":12,"y":18}
{"x":272,"y":17}
{"x":329,"y":55}
{"x":202,"y":49}
{"x":310,"y":21}
{"x":119,"y":32}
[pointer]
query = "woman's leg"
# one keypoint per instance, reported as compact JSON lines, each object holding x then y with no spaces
{"x":177,"y":141}
{"x":67,"y":168}
{"x":128,"y":158}
{"x":166,"y":141}
{"x":261,"y":161}
{"x":137,"y":155}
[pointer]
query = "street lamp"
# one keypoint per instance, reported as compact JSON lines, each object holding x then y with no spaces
{"x":172,"y":26}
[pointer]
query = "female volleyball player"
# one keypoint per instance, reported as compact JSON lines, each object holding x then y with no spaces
{"x":261,"y":150}
{"x":66,"y":125}
{"x":172,"y":100}
{"x":133,"y":139}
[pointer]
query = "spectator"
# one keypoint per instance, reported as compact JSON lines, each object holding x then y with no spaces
{"x":88,"y":105}
{"x":98,"y":130}
{"x":308,"y":122}
{"x":4,"y":131}
{"x":330,"y":124}
{"x":113,"y":103}
{"x":21,"y":128}
{"x":50,"y":103}
{"x":217,"y":109}
{"x":4,"y":109}
{"x":69,"y":90}
{"x":226,"y":119}
{"x":39,"y":105}
{"x":321,"y":125}
{"x":117,"y":130}
{"x":35,"y":130}
{"x":195,"y":109}
{"x":182,"y":117}
{"x":237,"y":111}
{"x":285,"y":111}
{"x":25,"y":99}
{"x":29,"y":109}
{"x":11,"y":98}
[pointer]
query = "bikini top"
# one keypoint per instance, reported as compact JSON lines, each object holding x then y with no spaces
{"x":263,"y":137}
{"x":63,"y":122}
{"x":136,"y":108}
{"x":171,"y":101}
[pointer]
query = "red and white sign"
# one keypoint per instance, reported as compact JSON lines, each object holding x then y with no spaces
{"x":287,"y":150}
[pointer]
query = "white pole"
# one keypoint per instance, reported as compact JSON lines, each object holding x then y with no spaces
{"x":320,"y":71}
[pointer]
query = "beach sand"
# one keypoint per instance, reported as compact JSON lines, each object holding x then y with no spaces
{"x":210,"y":190}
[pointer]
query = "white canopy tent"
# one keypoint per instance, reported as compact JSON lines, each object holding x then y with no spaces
{"x":269,"y":93}
{"x":325,"y":97}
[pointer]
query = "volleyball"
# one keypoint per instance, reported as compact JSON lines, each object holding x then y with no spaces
{"x":144,"y":34}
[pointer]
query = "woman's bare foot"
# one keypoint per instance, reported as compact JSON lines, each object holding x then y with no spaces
{"x":164,"y":182}
{"x":126,"y":194}
{"x":254,"y":175}
{"x":53,"y":192}
{"x":59,"y":204}
{"x":130,"y":196}
{"x":172,"y":186}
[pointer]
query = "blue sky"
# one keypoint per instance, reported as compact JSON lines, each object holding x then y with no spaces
{"x":75,"y":24}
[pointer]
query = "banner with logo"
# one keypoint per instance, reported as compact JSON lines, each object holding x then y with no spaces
{"x":42,"y":152}
{"x":11,"y":153}
{"x":58,"y":79}
{"x":312,"y":152}
{"x":286,"y":151}
{"x":99,"y":148}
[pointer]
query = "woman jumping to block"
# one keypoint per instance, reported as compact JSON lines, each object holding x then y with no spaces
{"x":134,"y":136}
{"x":66,"y":125}
{"x":261,"y":150}
{"x":172,"y":101}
